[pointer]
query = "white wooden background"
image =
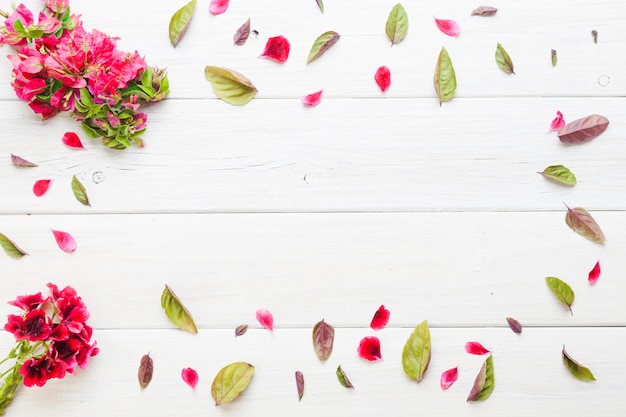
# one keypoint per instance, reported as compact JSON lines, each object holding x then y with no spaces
{"x":327,"y":212}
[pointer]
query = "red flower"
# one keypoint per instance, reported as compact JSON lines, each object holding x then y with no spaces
{"x":28,"y":302}
{"x":39,"y":371}
{"x":277,"y":48}
{"x":72,"y":312}
{"x":33,"y":326}
{"x":380,"y":319}
{"x":369,"y":349}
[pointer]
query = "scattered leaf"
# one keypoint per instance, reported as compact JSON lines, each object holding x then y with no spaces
{"x":416,"y":352}
{"x":369,"y":349}
{"x":79,"y":191}
{"x":277,"y":49}
{"x":323,"y":338}
{"x":40,"y":187}
{"x":445,"y":77}
{"x":475,"y":348}
{"x":448,"y":378}
{"x":553,"y":56}
{"x":557,"y":122}
{"x":11,"y":248}
{"x":300,"y":384}
{"x":343,"y":378}
{"x":146,"y":367}
{"x":320,"y":4}
{"x":583,"y":130}
{"x":594,"y":274}
{"x":190,"y":376}
{"x":515,"y":325}
{"x":312,"y":99}
{"x":176,"y":311}
{"x":380,"y":319}
{"x":265,"y":318}
{"x":449,"y":27}
{"x":180,"y":22}
{"x":383,"y":78}
{"x":231,"y":381}
{"x":397,"y":24}
{"x":218,"y":6}
{"x":242,"y":33}
{"x":562,"y":291}
{"x":559,"y":174}
{"x":504,"y":60}
{"x":576,"y":369}
{"x":484,"y":11}
{"x":484,"y":382}
{"x":229,"y":85}
{"x":594,"y":35}
{"x":72,"y":140}
{"x":65,"y":241}
{"x":241,"y":330}
{"x":580,"y":221}
{"x":322,"y":44}
{"x":18,"y":161}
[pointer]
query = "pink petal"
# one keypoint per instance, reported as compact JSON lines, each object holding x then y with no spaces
{"x":265,"y":318}
{"x":594,"y":274}
{"x":448,"y":378}
{"x":383,"y":78}
{"x":218,"y":6}
{"x":475,"y":348}
{"x":369,"y":349}
{"x":312,"y":99}
{"x":190,"y":377}
{"x":380,"y":319}
{"x":277,"y":48}
{"x":40,"y":187}
{"x":558,"y":121}
{"x":65,"y":241}
{"x":449,"y":27}
{"x":71,"y":139}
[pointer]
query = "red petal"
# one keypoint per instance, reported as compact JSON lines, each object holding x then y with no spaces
{"x":369,"y":349}
{"x":277,"y":48}
{"x":218,"y":6}
{"x":190,"y":377}
{"x":475,"y":348}
{"x":449,"y":27}
{"x":72,"y":140}
{"x":65,"y":241}
{"x":558,"y":121}
{"x":448,"y":378}
{"x":265,"y":318}
{"x":383,"y":78}
{"x":40,"y":187}
{"x":594,"y":274}
{"x":312,"y":99}
{"x":380,"y":319}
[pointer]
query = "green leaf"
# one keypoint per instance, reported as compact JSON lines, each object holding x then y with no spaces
{"x":323,"y":339}
{"x":484,"y":382}
{"x":343,"y":378}
{"x":576,"y":369}
{"x":230,"y":86}
{"x":231,"y":381}
{"x":553,"y":55}
{"x":580,"y":221}
{"x":320,"y":4}
{"x":79,"y":191}
{"x":322,"y":44}
{"x":180,"y":22}
{"x":397,"y":24}
{"x":559,"y":174}
{"x":445,"y":78}
{"x":416,"y":352}
{"x":504,"y":60}
{"x":176,"y":311}
{"x":146,"y":368}
{"x":562,"y":290}
{"x":10,"y":247}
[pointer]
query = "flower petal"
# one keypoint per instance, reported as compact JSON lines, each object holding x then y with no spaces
{"x":475,"y":348}
{"x":277,"y":48}
{"x":448,"y":378}
{"x":312,"y":99}
{"x":65,"y":241}
{"x":369,"y":349}
{"x":218,"y":6}
{"x":449,"y":27}
{"x":594,"y":274}
{"x":558,"y":121}
{"x":380,"y":319}
{"x":383,"y":78}
{"x":265,"y":318}
{"x":40,"y":187}
{"x":190,"y":377}
{"x":72,"y":140}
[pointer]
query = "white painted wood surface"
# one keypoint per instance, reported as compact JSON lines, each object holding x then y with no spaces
{"x":436,"y":212}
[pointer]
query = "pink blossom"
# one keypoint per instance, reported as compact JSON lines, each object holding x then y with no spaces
{"x":265,"y":318}
{"x":8,"y":34}
{"x":57,"y":6}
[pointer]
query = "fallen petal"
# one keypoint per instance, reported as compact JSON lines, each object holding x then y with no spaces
{"x":65,"y":241}
{"x":190,"y":377}
{"x":449,"y":377}
{"x":475,"y":348}
{"x":277,"y":48}
{"x":265,"y":318}
{"x":380,"y":319}
{"x":449,"y":27}
{"x":594,"y":274}
{"x":218,"y":6}
{"x":312,"y":99}
{"x":383,"y":78}
{"x":558,"y":121}
{"x":72,"y":140}
{"x":369,"y":349}
{"x":40,"y":187}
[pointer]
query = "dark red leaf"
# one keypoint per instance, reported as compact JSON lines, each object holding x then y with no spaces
{"x":448,"y":378}
{"x":594,"y":274}
{"x":190,"y":377}
{"x":300,"y":384}
{"x":475,"y":348}
{"x":583,"y":130}
{"x":277,"y":48}
{"x":241,"y":330}
{"x":242,"y":34}
{"x":380,"y":319}
{"x":18,"y":161}
{"x":72,"y":140}
{"x":383,"y":78}
{"x":40,"y":187}
{"x":369,"y":349}
{"x":515,"y":325}
{"x":146,"y":368}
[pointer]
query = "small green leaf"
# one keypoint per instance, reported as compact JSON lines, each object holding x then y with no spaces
{"x":445,"y":78}
{"x":231,"y":381}
{"x":180,"y":22}
{"x":559,"y":174}
{"x":576,"y":369}
{"x":176,"y":311}
{"x":562,"y":290}
{"x":343,"y":378}
{"x":504,"y":60}
{"x":416,"y":352}
{"x":484,"y":382}
{"x":397,"y":24}
{"x":553,"y":55}
{"x":79,"y":191}
{"x":10,"y":247}
{"x":146,"y":367}
{"x":322,"y":44}
{"x":320,"y":4}
{"x":580,"y":221}
{"x":229,"y":85}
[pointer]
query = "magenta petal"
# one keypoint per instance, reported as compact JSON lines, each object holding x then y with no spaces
{"x":558,"y":121}
{"x":265,"y":318}
{"x":65,"y":241}
{"x":369,"y":349}
{"x":380,"y":319}
{"x":40,"y":187}
{"x":594,"y":274}
{"x":277,"y":48}
{"x":383,"y":78}
{"x":72,"y":140}
{"x":190,"y":377}
{"x":218,"y":6}
{"x":475,"y":348}
{"x":449,"y":27}
{"x":312,"y":99}
{"x":448,"y":378}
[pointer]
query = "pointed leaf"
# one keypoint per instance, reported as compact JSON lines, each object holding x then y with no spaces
{"x":277,"y":49}
{"x":218,"y":6}
{"x":11,"y":248}
{"x":583,"y":130}
{"x":397,"y":24}
{"x":313,"y":99}
{"x":343,"y":378}
{"x":300,"y":384}
{"x":383,"y":78}
{"x":18,"y":161}
{"x":180,"y":22}
{"x":380,"y":319}
{"x":72,"y":140}
{"x":553,"y":57}
{"x":504,"y":60}
{"x":65,"y":241}
{"x":594,"y":274}
{"x":557,"y":122}
{"x":484,"y":11}
{"x":190,"y":376}
{"x":79,"y":191}
{"x":322,"y":44}
{"x":320,"y":4}
{"x":416,"y":352}
{"x":241,"y":330}
{"x":475,"y":348}
{"x":265,"y":318}
{"x":369,"y":349}
{"x":580,"y":221}
{"x":562,"y":291}
{"x":449,"y":27}
{"x":576,"y":369}
{"x":594,"y":35}
{"x":242,"y":34}
{"x":323,"y":338}
{"x":229,"y":85}
{"x":176,"y":311}
{"x":231,"y":381}
{"x":40,"y":187}
{"x":445,"y":77}
{"x":559,"y":174}
{"x":484,"y":382}
{"x":448,"y":378}
{"x":146,"y":368}
{"x":515,"y":325}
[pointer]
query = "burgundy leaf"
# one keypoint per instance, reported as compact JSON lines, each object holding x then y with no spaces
{"x":383,"y":78}
{"x":594,"y":274}
{"x":65,"y":241}
{"x":146,"y":367}
{"x":558,"y":121}
{"x":265,"y":318}
{"x":242,"y":34}
{"x":18,"y":161}
{"x":218,"y":6}
{"x":484,"y":11}
{"x":312,"y":99}
{"x":72,"y":140}
{"x":369,"y":349}
{"x":380,"y":319}
{"x":241,"y":330}
{"x":583,"y":223}
{"x":583,"y":130}
{"x":323,"y":339}
{"x":190,"y":377}
{"x":40,"y":187}
{"x":300,"y":384}
{"x":448,"y":378}
{"x":475,"y":348}
{"x":515,"y":325}
{"x":277,"y":48}
{"x":449,"y":27}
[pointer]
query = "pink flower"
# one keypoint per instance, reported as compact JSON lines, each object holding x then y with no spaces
{"x":448,"y":378}
{"x":28,"y":302}
{"x":277,"y":48}
{"x":475,"y":348}
{"x":218,"y":6}
{"x":57,"y":6}
{"x":190,"y":376}
{"x":8,"y":34}
{"x":265,"y":318}
{"x":558,"y":121}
